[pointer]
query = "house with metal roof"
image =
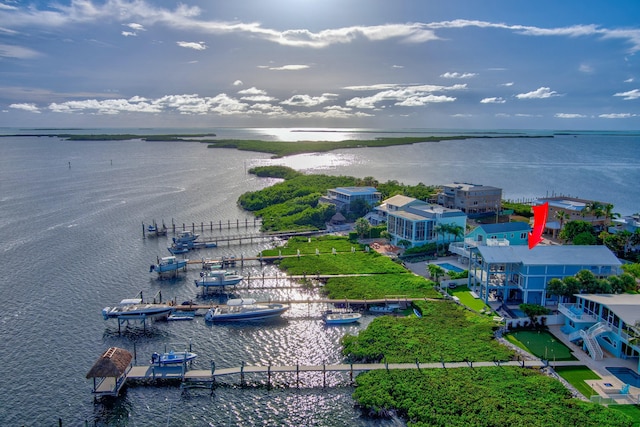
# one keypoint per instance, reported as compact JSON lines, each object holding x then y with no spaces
{"x":608,"y":322}
{"x":499,"y":234}
{"x":342,"y":197}
{"x":417,"y":222}
{"x":517,"y":274}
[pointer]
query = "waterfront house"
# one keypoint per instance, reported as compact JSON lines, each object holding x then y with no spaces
{"x":517,"y":274}
{"x":606,"y":322}
{"x":565,"y":209}
{"x":500,"y":234}
{"x":472,"y":199}
{"x":419,"y":222}
{"x":343,"y":197}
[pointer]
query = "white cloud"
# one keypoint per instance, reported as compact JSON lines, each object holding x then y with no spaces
{"x":508,"y":84}
{"x":456,"y":75}
{"x":308,"y":101}
{"x":418,"y":101}
{"x":129,"y":33}
{"x":11,"y":51}
{"x":397,"y":66}
{"x":259,"y":98}
{"x":493,"y":100}
{"x":401,"y":95}
{"x":252,"y":91}
{"x":289,"y":68}
{"x":629,"y":95}
{"x":585,"y":68}
{"x":569,"y":116}
{"x":629,"y":80}
{"x":193,"y":45}
{"x":617,"y":116}
{"x":32,"y":108}
{"x":135,"y":27}
{"x":540,"y":93}
{"x":238,"y":83}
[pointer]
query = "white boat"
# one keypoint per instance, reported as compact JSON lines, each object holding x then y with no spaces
{"x":218,"y":278}
{"x":185,"y":237}
{"x":240,"y":309}
{"x":168,"y":263}
{"x":134,"y":308}
{"x":172,"y":358}
{"x":154,"y":230}
{"x":341,"y":317}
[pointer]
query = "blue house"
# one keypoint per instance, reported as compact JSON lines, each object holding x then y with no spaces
{"x":517,"y":233}
{"x":517,"y":274}
{"x":604,"y":321}
{"x":342,"y":197}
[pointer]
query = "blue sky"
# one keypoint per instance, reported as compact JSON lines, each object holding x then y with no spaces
{"x":458,"y":64}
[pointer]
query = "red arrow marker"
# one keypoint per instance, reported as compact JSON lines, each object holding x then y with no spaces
{"x":539,"y":221}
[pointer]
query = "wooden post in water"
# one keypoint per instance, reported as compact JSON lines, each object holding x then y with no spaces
{"x":269,"y":376}
{"x":242,"y":374}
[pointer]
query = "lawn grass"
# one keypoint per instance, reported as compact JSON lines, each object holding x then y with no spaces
{"x":576,"y":376}
{"x":633,"y":411}
{"x":541,"y":344}
{"x":468,"y":300}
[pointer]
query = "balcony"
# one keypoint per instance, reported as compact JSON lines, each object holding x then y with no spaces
{"x":575,"y":313}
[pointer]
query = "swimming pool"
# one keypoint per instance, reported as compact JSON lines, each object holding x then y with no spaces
{"x":451,"y":267}
{"x":626,"y":375}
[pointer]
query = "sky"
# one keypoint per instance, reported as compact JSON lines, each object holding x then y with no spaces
{"x":454,"y":64}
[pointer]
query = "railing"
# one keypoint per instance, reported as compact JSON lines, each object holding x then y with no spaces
{"x":597,"y":329}
{"x":592,"y":346}
{"x":574,"y":312}
{"x":575,"y":335}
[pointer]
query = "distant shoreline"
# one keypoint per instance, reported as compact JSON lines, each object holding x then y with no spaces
{"x":278,"y":148}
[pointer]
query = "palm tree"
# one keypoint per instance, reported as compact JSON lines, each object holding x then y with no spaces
{"x":457,"y":231}
{"x":609,"y":214}
{"x":562,"y":216}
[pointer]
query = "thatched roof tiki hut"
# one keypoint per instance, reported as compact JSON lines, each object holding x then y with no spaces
{"x":110,"y":371}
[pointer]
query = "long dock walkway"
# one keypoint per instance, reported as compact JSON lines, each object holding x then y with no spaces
{"x":208,"y":377}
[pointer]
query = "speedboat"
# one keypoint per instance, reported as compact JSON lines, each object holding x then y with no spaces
{"x":341,"y":317}
{"x":218,"y":278}
{"x":185,"y":237}
{"x":134,"y":308}
{"x":172,"y":358}
{"x":168,"y":263}
{"x":240,"y":309}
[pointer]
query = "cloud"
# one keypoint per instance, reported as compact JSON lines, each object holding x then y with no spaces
{"x":585,"y":68}
{"x":629,"y":80}
{"x":456,"y":75}
{"x":397,"y":66}
{"x":629,"y":95}
{"x":493,"y":100}
{"x":569,"y":116}
{"x":238,"y":83}
{"x":401,"y":95}
{"x":193,"y":45}
{"x":308,"y":101}
{"x":617,"y":116}
{"x":129,"y":33}
{"x":11,"y":51}
{"x":540,"y":93}
{"x":508,"y":84}
{"x":288,"y":68}
{"x":32,"y":108}
{"x":252,"y":91}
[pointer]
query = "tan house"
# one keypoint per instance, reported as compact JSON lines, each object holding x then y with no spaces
{"x":470,"y":198}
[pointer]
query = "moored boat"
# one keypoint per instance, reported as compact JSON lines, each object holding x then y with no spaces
{"x":218,"y":278}
{"x":185,"y":237}
{"x":172,"y":358}
{"x":134,"y":308}
{"x":168,"y":263}
{"x":243,"y":309}
{"x":341,"y":317}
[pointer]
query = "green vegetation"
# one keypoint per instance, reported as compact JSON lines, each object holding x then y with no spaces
{"x":466,"y":299}
{"x":541,"y":344}
{"x":633,"y":411}
{"x":504,"y":396}
{"x":127,"y":136}
{"x":519,"y":209}
{"x":289,"y":148}
{"x":576,"y":376}
{"x":585,"y":282}
{"x":382,"y":285}
{"x":445,"y":332}
{"x":632,"y":269}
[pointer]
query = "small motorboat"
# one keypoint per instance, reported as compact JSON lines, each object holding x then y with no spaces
{"x":239,"y":309}
{"x":172,"y":358}
{"x":341,"y":317}
{"x":134,"y":308}
{"x":218,"y":278}
{"x":168,"y":263}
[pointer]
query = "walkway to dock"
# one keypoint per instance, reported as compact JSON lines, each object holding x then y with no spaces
{"x":207,"y":378}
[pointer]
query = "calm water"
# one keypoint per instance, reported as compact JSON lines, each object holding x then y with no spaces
{"x":72,"y":244}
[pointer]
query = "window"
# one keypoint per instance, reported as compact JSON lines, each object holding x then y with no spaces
{"x":523,"y":235}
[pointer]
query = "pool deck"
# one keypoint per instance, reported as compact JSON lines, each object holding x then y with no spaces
{"x":608,"y":386}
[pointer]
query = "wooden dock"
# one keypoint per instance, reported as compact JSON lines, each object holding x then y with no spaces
{"x":208,"y":377}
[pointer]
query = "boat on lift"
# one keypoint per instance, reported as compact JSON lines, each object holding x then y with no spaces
{"x":172,"y":358}
{"x":134,"y":308}
{"x":168,"y":263}
{"x":216,"y":278}
{"x":243,"y":309}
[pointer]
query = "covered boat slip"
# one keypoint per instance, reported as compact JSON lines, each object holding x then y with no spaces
{"x":109,"y":372}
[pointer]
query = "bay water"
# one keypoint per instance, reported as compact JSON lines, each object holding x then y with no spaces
{"x":71,"y":220}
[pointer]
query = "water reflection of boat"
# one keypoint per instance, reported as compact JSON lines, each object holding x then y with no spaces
{"x":241,"y":309}
{"x":172,"y":358}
